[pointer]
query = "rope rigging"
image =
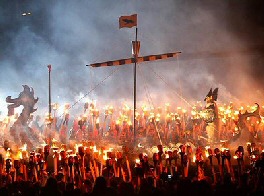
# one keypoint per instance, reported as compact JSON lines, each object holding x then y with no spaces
{"x":92,"y":89}
{"x":178,"y":95}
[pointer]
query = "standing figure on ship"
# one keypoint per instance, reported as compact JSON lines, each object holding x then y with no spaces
{"x":210,"y":116}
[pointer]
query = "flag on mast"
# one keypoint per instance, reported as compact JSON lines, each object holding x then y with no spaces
{"x":128,"y":21}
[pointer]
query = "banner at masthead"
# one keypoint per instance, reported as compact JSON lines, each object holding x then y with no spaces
{"x":128,"y":21}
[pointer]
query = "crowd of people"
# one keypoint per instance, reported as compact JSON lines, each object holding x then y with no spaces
{"x":155,"y":125}
{"x":167,"y":153}
{"x":56,"y":171}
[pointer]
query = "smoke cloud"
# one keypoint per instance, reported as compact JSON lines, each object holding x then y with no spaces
{"x":222,"y":45}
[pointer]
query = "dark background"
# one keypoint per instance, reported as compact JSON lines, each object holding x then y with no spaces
{"x":222,"y":44}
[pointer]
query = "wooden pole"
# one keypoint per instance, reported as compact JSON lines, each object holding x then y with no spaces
{"x":49,"y":68}
{"x":135,"y":86}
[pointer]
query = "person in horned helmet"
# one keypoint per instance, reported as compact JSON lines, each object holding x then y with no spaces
{"x":211,"y":115}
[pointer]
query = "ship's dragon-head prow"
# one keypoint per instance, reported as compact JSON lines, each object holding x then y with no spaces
{"x":255,"y":113}
{"x":26,"y":99}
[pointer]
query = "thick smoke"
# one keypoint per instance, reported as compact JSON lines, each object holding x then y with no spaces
{"x":221,"y":42}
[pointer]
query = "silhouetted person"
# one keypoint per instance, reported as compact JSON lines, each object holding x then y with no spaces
{"x":125,"y":189}
{"x":51,"y":188}
{"x":100,"y":187}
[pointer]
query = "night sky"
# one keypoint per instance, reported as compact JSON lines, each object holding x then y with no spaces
{"x":222,"y":45}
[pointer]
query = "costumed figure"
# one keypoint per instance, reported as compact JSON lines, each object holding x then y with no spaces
{"x":184,"y":160}
{"x":210,"y":115}
{"x":240,"y":159}
{"x":245,"y":120}
{"x":20,"y":128}
{"x":199,"y":161}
